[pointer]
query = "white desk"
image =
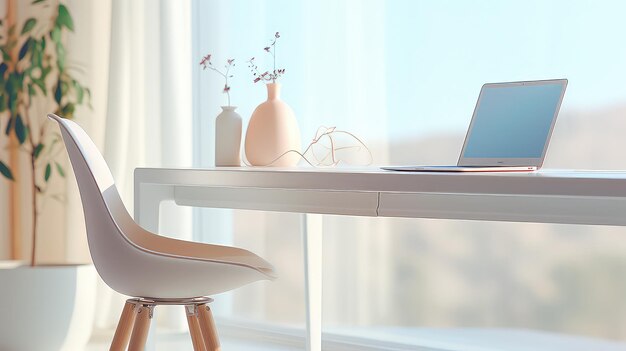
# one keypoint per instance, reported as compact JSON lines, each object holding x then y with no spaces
{"x":549,"y":196}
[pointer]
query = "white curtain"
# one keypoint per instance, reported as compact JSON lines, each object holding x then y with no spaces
{"x":149,"y":110}
{"x":88,"y":46}
{"x":149,"y":107}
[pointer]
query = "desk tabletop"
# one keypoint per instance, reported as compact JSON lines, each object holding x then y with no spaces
{"x":551,"y":196}
{"x":373,"y":179}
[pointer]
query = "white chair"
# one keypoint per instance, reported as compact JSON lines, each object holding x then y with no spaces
{"x":155,"y":270}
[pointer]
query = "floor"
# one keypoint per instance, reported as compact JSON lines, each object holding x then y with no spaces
{"x":182,"y":343}
{"x":186,"y":346}
{"x":454,"y":339}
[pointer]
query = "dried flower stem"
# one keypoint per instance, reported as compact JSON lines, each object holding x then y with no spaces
{"x":267,"y":75}
{"x":328,"y":133}
{"x":273,"y":53}
{"x":206,"y":63}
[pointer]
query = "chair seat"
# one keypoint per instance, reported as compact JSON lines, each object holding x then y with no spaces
{"x":182,"y":278}
{"x":188,"y":250}
{"x":156,"y":266}
{"x":197,"y":269}
{"x":172,"y":268}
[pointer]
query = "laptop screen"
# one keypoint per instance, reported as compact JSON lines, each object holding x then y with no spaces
{"x":513,"y":121}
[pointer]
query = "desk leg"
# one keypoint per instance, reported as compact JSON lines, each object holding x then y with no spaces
{"x":312,"y":242}
{"x":148,"y":198}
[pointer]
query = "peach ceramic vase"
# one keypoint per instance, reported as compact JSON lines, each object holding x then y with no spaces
{"x":273,"y":130}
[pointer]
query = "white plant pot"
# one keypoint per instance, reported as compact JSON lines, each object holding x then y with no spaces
{"x":46,"y":307}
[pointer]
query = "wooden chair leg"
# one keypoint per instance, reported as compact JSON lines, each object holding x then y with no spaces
{"x":194,"y":328}
{"x":124,"y":327}
{"x":141,"y":328}
{"x":207,"y":326}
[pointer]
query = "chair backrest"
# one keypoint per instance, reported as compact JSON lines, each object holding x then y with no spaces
{"x":106,"y":217}
{"x":94,"y":178}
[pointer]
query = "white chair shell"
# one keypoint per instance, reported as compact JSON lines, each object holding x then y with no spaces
{"x":135,"y":262}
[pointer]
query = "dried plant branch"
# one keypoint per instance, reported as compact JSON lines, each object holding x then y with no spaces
{"x":206,"y":63}
{"x":267,"y":75}
{"x":317,"y":161}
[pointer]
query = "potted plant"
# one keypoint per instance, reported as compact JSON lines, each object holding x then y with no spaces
{"x":47,"y":307}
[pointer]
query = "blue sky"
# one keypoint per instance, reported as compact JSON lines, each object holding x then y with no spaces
{"x":429,"y":58}
{"x":443,"y":51}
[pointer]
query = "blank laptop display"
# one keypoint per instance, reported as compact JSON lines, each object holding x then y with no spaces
{"x":510,"y":129}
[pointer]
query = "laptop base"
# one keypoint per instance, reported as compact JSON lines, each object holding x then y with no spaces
{"x":460,"y":168}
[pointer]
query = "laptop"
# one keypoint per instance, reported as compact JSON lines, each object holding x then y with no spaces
{"x":510,"y":129}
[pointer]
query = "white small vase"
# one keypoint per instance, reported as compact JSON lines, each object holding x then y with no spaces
{"x":228,"y":137}
{"x":272,"y":132}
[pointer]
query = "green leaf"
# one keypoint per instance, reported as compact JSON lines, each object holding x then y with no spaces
{"x":3,"y":103}
{"x":6,"y":171}
{"x":37,"y":150}
{"x":9,"y":125}
{"x":79,"y":92}
{"x":55,"y":34}
{"x":47,"y":173}
{"x":36,"y":2}
{"x":64,"y":87}
{"x":29,"y":25}
{"x":61,"y":57}
{"x":20,"y":129}
{"x":37,"y":56}
{"x":11,"y":88}
{"x":31,"y":90}
{"x":58,"y":93}
{"x":12,"y":104}
{"x":64,"y":18}
{"x":88,"y":91}
{"x":25,"y":48}
{"x":5,"y":55}
{"x":20,"y":80}
{"x":3,"y":68}
{"x":68,"y":110}
{"x":45,"y":71}
{"x":42,"y":86}
{"x":60,"y":169}
{"x":51,"y":147}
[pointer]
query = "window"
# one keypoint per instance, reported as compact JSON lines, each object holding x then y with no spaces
{"x":404,"y":75}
